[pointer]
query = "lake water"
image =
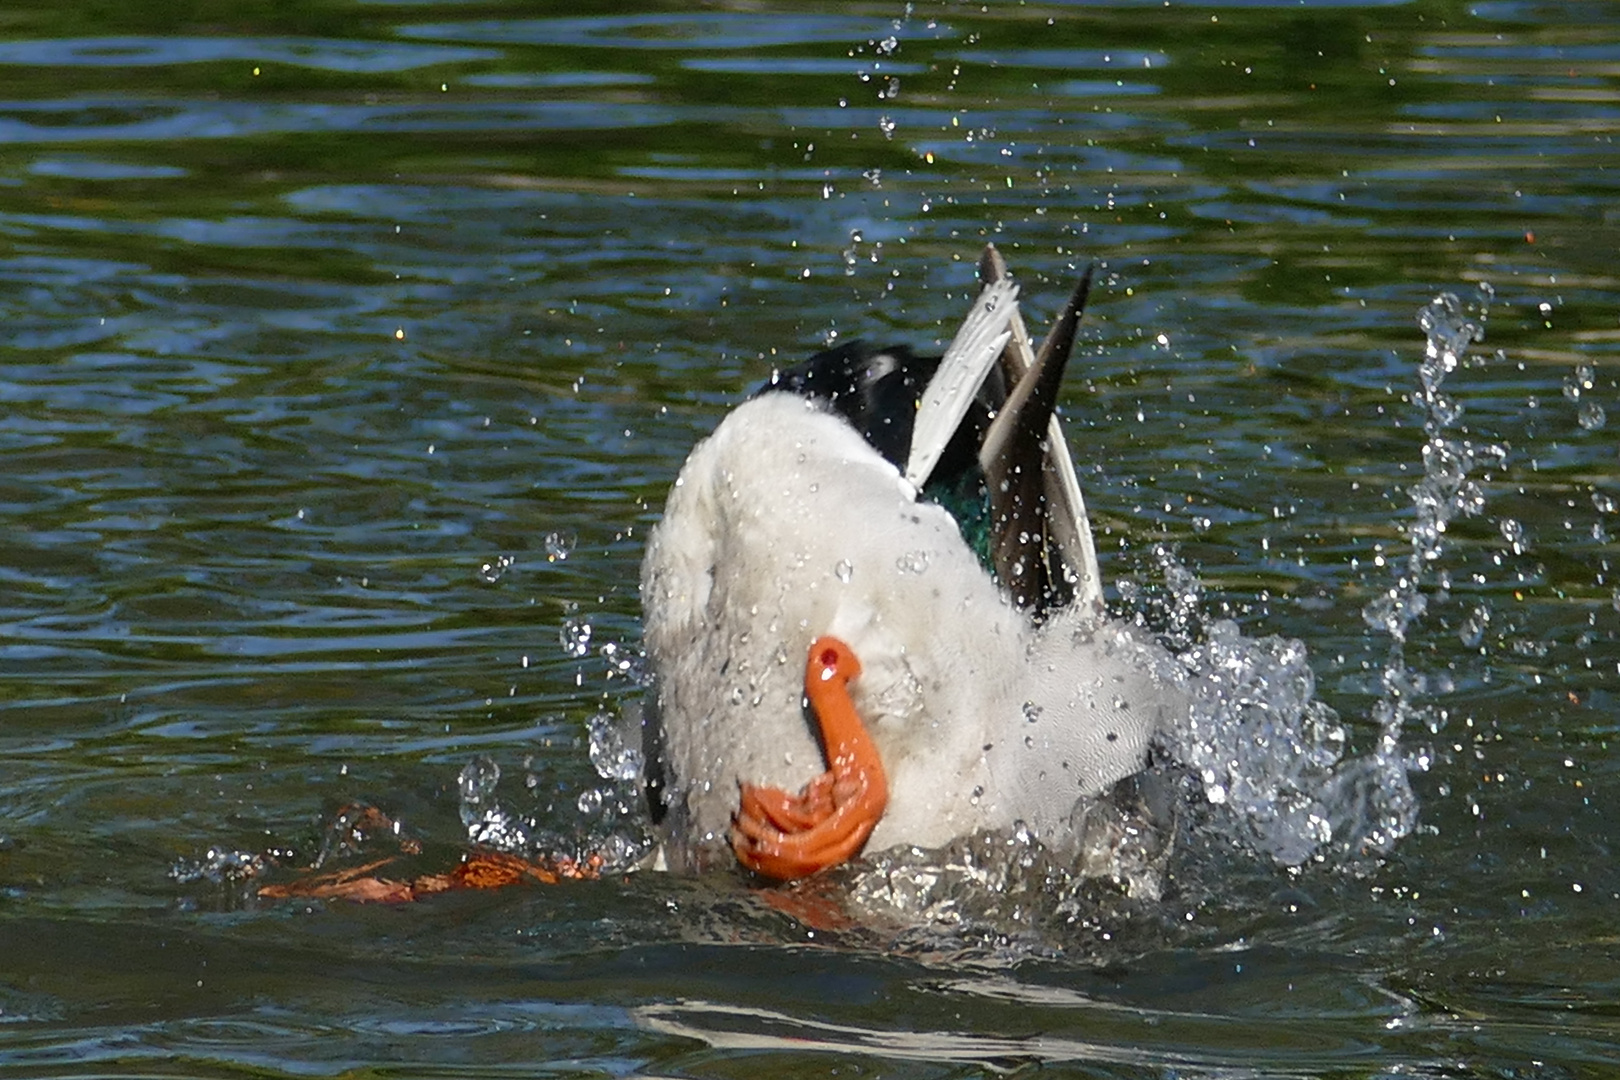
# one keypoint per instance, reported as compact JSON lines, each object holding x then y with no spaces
{"x":347,"y":350}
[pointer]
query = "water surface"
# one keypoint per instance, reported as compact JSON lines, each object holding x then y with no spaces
{"x":346,"y":353}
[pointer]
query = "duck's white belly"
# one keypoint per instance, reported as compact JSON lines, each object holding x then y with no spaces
{"x":785,"y":525}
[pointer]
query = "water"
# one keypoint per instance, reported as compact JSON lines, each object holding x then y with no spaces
{"x":346,"y":352}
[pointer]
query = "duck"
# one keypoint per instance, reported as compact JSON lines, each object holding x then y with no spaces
{"x":873,"y":615}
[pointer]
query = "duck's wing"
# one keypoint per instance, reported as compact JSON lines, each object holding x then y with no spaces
{"x":982,"y":338}
{"x":1043,"y":549}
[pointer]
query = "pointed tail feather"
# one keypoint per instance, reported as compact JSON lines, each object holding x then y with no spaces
{"x":1044,"y":551}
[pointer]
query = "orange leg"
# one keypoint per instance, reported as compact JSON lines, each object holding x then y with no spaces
{"x":786,"y":836}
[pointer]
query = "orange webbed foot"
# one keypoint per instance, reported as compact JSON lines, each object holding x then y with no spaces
{"x":785,"y":836}
{"x":478,"y":869}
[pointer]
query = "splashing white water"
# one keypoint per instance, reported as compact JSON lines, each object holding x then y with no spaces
{"x":218,"y":866}
{"x":1270,"y":759}
{"x":488,"y":823}
{"x":1444,"y":493}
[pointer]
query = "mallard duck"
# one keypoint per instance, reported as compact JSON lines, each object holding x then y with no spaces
{"x":873,"y":613}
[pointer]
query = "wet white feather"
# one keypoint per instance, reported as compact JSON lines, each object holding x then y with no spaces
{"x":785,"y":525}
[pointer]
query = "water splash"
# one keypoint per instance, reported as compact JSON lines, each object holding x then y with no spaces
{"x":610,"y":824}
{"x":218,"y":866}
{"x":1268,"y":758}
{"x":1263,"y":749}
{"x":488,"y":823}
{"x":1380,"y":786}
{"x":611,"y":753}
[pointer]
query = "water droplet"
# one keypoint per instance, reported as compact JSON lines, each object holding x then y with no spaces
{"x":1604,"y":502}
{"x":478,"y":779}
{"x":844,"y":570}
{"x":491,"y":572}
{"x":589,"y":802}
{"x":477,"y":788}
{"x":1032,"y":711}
{"x":1513,"y":533}
{"x":575,"y":637}
{"x":612,"y":758}
{"x":559,"y":545}
{"x":912,"y":562}
{"x":1591,"y":415}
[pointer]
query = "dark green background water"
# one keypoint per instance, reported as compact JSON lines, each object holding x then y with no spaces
{"x":310,"y":310}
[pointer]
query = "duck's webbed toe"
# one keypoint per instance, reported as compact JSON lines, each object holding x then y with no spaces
{"x":785,"y":836}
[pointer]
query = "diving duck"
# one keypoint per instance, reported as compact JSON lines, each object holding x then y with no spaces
{"x":873,"y":612}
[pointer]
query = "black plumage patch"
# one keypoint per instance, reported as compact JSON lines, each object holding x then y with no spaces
{"x":878,"y":390}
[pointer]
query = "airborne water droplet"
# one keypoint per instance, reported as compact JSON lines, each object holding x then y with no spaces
{"x":612,"y":758}
{"x":575,"y":637}
{"x":493,"y":571}
{"x":1513,"y":533}
{"x":559,"y":545}
{"x":476,"y":785}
